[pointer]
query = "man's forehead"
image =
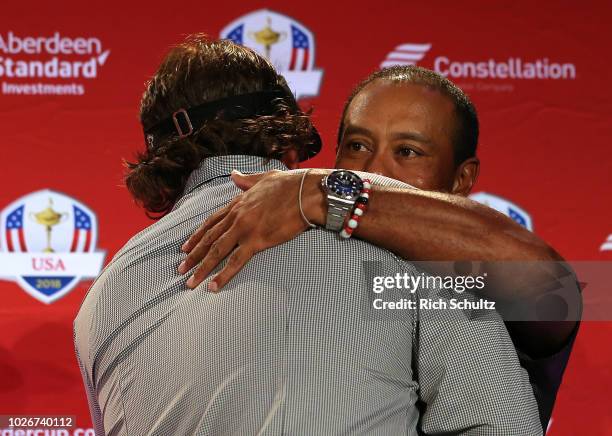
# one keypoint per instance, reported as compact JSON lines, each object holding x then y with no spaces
{"x":400,"y":94}
{"x":401,"y":106}
{"x":384,"y":104}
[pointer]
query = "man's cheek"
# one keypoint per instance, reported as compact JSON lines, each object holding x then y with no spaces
{"x":415,"y":175}
{"x":350,"y":164}
{"x":427,"y":174}
{"x":420,"y":183}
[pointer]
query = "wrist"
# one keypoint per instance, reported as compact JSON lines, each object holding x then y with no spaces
{"x":313,"y":197}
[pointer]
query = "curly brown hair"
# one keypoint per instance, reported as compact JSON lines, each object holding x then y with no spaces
{"x":198,"y":71}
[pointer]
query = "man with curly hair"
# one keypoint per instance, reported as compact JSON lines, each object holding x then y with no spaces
{"x":288,"y":347}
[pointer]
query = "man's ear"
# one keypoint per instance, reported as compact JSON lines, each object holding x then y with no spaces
{"x":291,"y":159}
{"x":465,"y":176}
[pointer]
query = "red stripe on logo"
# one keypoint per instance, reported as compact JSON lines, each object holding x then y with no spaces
{"x":9,"y":240}
{"x":22,"y":240}
{"x":293,"y":58}
{"x":87,"y":240}
{"x":75,"y":240}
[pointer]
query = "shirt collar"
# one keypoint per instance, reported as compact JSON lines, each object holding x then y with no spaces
{"x":220,"y":166}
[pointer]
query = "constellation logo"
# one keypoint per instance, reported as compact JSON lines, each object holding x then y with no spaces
{"x":607,"y":245}
{"x":511,"y":68}
{"x":406,"y":54}
{"x":52,"y":60}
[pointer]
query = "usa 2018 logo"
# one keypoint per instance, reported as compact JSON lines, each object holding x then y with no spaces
{"x":285,"y":42}
{"x":48,"y":244}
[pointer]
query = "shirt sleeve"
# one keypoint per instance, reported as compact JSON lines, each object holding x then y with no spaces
{"x":546,"y":374}
{"x":92,"y":399}
{"x":470,"y":380}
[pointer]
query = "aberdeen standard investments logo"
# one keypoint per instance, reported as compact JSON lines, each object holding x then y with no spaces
{"x":48,"y":244}
{"x":511,"y":68}
{"x":285,"y":42}
{"x":49,"y":65}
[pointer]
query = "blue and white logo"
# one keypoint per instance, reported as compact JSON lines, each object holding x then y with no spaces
{"x":607,"y":245}
{"x":285,"y":42}
{"x":506,"y":207}
{"x":48,"y":244}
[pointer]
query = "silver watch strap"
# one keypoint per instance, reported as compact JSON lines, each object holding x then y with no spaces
{"x":337,"y":211}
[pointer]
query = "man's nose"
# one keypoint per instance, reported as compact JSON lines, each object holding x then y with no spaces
{"x":376,"y":165}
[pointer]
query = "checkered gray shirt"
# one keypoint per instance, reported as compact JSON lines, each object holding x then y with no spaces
{"x":287,"y":346}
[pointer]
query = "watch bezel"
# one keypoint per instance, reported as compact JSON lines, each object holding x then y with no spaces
{"x":347,"y":197}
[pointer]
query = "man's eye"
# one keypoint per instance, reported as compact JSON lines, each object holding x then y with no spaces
{"x":407,"y":152}
{"x":357,"y":146}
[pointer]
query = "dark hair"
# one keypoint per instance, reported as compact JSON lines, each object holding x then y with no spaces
{"x":198,"y":71}
{"x":465,"y":138}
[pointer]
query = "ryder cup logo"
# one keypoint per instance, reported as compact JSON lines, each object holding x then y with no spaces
{"x":48,"y":244}
{"x":286,"y":43}
{"x":506,"y":207}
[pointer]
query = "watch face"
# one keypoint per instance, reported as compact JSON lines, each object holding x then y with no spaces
{"x":344,"y":184}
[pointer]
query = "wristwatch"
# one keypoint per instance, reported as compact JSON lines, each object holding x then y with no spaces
{"x":342,"y":188}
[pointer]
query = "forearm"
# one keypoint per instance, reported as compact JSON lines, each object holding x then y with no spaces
{"x":422,"y":225}
{"x":432,"y":226}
